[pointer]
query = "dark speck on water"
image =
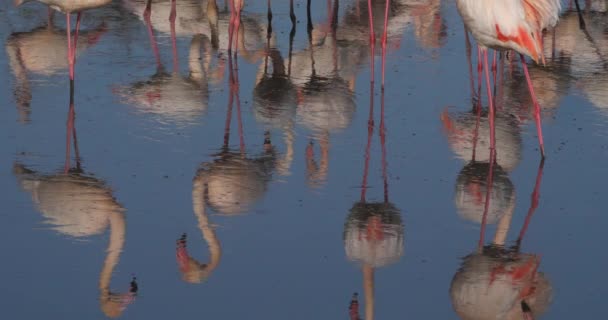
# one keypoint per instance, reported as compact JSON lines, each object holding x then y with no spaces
{"x":288,"y":149}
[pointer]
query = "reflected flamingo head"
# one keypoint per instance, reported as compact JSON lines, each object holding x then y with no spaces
{"x":373,"y":234}
{"x":192,"y":271}
{"x":114,"y":304}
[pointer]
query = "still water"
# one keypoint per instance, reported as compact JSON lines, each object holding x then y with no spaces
{"x":281,"y":184}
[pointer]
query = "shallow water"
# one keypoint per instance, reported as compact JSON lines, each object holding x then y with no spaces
{"x":279,"y":210}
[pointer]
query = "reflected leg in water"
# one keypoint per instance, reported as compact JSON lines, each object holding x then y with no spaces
{"x":72,"y":42}
{"x":372,"y":38}
{"x":152,"y":39}
{"x":382,"y":134}
{"x":489,"y":183}
{"x":539,"y":129}
{"x":491,"y":115}
{"x":581,"y":21}
{"x":533,"y":203}
{"x":70,"y":129}
{"x":384,"y":40}
{"x":148,"y":9}
{"x":172,"y":17}
{"x":292,"y":15}
{"x":370,"y":131}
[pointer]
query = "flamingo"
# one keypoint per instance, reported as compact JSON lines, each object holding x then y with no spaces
{"x":79,"y":205}
{"x":511,"y":25}
{"x":41,"y":51}
{"x":68,"y":7}
{"x":374,"y":230}
{"x":499,"y":282}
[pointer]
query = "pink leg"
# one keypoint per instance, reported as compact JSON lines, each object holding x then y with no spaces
{"x":468,"y":51}
{"x":534,"y":202}
{"x":237,"y":25}
{"x":539,"y":129}
{"x":76,"y":32}
{"x":384,"y":40}
{"x":494,"y":68}
{"x":231,"y":25}
{"x":238,"y":106}
{"x":372,"y":37}
{"x":70,"y":49}
{"x":491,"y":103}
{"x":476,"y":131}
{"x":479,"y":70}
{"x":70,"y":129}
{"x":172,"y":17}
{"x":486,"y":208}
{"x":383,"y":146}
{"x":148,"y":9}
{"x":153,"y":41}
{"x":370,"y":131}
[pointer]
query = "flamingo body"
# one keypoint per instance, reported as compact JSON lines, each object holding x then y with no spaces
{"x":69,"y":6}
{"x":515,"y":25}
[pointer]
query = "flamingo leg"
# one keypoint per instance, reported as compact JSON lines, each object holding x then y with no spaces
{"x":238,"y":106}
{"x":494,"y":68}
{"x":533,"y":203}
{"x":230,"y":104}
{"x":148,"y":9}
{"x":308,"y":17}
{"x":153,"y":42}
{"x":372,"y":37}
{"x":479,"y":71}
{"x":70,"y":129}
{"x":382,"y":134}
{"x":539,"y":129}
{"x":491,"y":103}
{"x":172,"y":17}
{"x":468,"y":52}
{"x":237,"y":24}
{"x":581,"y":21}
{"x":269,"y":15}
{"x":370,"y":132}
{"x":70,"y":44}
{"x":486,"y":208}
{"x":231,"y":25}
{"x":384,"y":40}
{"x":292,"y":15}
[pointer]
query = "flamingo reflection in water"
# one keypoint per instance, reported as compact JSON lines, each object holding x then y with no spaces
{"x":229,"y":185}
{"x":79,"y":205}
{"x":68,"y":7}
{"x":585,"y":53}
{"x":233,"y":182}
{"x":42,"y":51}
{"x":275,"y":97}
{"x":373,"y":232}
{"x":174,"y":97}
{"x":497,"y":282}
{"x":325,"y":97}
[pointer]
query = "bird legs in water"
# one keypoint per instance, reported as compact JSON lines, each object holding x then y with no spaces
{"x":235,"y":21}
{"x":72,"y":42}
{"x":539,"y":129}
{"x":581,"y":21}
{"x":373,"y":38}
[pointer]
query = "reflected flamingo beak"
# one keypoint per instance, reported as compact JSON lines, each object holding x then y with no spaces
{"x":525,"y":308}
